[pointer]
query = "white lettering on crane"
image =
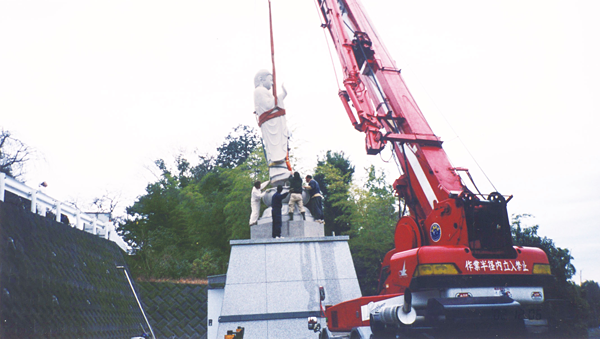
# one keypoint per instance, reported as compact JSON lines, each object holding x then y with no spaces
{"x":497,"y":266}
{"x":421,"y":177}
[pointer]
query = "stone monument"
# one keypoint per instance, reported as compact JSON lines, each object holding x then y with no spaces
{"x":272,"y":285}
{"x":273,"y":125}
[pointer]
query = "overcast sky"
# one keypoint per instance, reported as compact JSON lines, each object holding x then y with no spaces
{"x":101,"y":89}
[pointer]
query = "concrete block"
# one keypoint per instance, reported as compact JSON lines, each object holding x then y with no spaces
{"x":290,"y":328}
{"x":291,"y":262}
{"x":337,"y":291}
{"x":289,"y":229}
{"x":336,"y":261}
{"x":215,"y":301}
{"x":272,"y":284}
{"x":268,"y":214}
{"x":244,"y":299}
{"x":261,"y":231}
{"x":292,"y":296}
{"x":246,"y":265}
{"x":304,"y":228}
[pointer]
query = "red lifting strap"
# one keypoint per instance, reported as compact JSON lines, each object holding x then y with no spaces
{"x":270,"y":114}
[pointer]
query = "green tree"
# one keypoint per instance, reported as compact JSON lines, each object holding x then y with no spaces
{"x":217,"y":207}
{"x":367,"y":213}
{"x":567,"y":310}
{"x":592,"y":296}
{"x":183,"y":223}
{"x":334,"y":174}
{"x":237,"y":201}
{"x":238,"y":146}
{"x":560,"y":258}
{"x":373,"y":219}
{"x":153,"y":227}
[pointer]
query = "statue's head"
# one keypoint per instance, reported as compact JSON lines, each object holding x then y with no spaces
{"x":263,"y":78}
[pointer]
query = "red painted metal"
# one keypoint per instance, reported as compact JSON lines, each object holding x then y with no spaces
{"x":347,"y":315}
{"x":373,"y":113}
{"x":447,"y":223}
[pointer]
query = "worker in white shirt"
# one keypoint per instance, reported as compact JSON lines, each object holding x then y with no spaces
{"x":257,"y":194}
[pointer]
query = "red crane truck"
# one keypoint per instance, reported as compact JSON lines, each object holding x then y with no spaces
{"x":454,"y":266}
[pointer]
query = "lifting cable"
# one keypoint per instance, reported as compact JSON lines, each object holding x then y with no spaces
{"x":325,"y":25}
{"x":456,"y":134}
{"x":473,"y":182}
{"x":443,"y":116}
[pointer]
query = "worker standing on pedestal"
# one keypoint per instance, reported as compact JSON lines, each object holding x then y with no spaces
{"x":296,"y":195}
{"x":315,"y":205}
{"x":257,"y":194}
{"x":276,"y":205}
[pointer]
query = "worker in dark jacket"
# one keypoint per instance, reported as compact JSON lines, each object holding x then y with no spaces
{"x":296,"y":195}
{"x":315,"y":205}
{"x":276,"y":204}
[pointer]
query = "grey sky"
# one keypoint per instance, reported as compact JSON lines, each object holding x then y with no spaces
{"x":103,"y":88}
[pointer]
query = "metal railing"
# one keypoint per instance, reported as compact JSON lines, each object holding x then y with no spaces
{"x":43,"y":204}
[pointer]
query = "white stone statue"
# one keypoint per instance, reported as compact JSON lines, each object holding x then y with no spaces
{"x":274,"y":130}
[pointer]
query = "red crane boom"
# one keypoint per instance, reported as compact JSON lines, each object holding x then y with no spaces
{"x":454,"y":252}
{"x":384,"y":108}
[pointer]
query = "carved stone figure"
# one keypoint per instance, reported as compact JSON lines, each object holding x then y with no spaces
{"x":273,"y":125}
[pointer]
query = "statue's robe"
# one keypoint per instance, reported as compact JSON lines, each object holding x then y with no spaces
{"x":274,"y":133}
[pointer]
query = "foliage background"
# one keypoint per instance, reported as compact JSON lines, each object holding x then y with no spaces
{"x":182,"y":225}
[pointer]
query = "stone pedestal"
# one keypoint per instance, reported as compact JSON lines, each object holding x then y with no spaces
{"x":273,"y":284}
{"x":289,"y":229}
{"x":296,"y":228}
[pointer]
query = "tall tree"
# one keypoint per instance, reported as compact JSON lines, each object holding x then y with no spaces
{"x":237,"y":147}
{"x":153,"y":225}
{"x":560,"y":258}
{"x":568,"y":311}
{"x":592,"y":296}
{"x":373,"y":219}
{"x":334,"y":174}
{"x":183,"y":223}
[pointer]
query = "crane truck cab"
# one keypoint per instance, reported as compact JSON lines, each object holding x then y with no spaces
{"x":454,"y":261}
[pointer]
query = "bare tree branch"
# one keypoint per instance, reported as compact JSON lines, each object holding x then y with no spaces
{"x":14,"y":154}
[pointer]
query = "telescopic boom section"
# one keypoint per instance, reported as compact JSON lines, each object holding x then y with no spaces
{"x":380,"y":105}
{"x":453,"y":261}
